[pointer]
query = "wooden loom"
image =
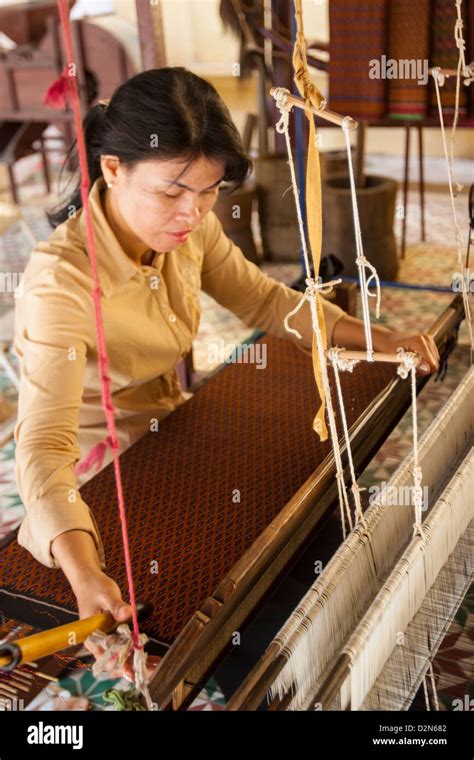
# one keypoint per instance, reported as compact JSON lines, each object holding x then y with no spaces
{"x":204,"y":639}
{"x":233,"y":602}
{"x":311,"y":662}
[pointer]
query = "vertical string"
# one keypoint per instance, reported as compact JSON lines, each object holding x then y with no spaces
{"x":70,"y":80}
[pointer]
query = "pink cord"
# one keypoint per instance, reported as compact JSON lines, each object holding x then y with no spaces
{"x":58,"y":93}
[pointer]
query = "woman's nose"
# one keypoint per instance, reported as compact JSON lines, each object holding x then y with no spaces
{"x":190,"y":210}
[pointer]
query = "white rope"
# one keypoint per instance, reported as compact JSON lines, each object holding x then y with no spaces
{"x":314,"y":286}
{"x":439,"y":80}
{"x":461,"y":46}
{"x":338,"y":363}
{"x":407,"y":367}
{"x":361,"y":261}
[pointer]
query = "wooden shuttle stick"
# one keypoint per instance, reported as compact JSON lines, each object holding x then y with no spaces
{"x":48,"y":642}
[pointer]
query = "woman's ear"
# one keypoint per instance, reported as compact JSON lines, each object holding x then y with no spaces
{"x":110,"y":166}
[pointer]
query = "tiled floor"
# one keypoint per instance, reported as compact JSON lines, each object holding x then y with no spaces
{"x":430,"y":263}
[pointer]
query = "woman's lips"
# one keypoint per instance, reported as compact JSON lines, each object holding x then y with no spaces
{"x":179,"y":236}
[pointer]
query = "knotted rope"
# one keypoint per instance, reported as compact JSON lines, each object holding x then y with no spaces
{"x":439,"y":80}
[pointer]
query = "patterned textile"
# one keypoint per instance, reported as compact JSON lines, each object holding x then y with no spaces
{"x":201,"y":490}
{"x":357,"y":34}
{"x":408,"y":40}
{"x":444,"y":53}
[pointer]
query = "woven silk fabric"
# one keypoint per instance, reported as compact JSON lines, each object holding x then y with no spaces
{"x":408,"y":40}
{"x":357,"y":35}
{"x":201,"y":489}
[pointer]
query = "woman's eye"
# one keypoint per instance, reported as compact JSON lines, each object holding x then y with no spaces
{"x":168,"y":195}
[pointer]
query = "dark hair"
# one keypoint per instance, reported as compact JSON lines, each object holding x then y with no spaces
{"x":186,"y":113}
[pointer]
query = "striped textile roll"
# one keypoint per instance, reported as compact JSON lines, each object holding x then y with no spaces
{"x":408,"y":46}
{"x":444,"y":53}
{"x":357,"y":36}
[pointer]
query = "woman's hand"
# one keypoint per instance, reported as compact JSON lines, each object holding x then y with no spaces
{"x":99,"y":593}
{"x":421,"y":343}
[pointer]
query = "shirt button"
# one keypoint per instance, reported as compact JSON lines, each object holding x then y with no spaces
{"x":172,"y":318}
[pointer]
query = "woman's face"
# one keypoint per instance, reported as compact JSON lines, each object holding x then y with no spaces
{"x":154,"y":201}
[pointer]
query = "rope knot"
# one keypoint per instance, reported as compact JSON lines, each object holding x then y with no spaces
{"x":408,"y":362}
{"x":438,"y":76}
{"x":314,"y":286}
{"x":280,"y":95}
{"x":334,"y":356}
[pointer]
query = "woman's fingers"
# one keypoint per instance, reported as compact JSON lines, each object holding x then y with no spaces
{"x":426,"y":347}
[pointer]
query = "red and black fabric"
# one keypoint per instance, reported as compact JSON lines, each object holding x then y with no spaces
{"x":357,"y":35}
{"x":199,"y":491}
{"x":408,"y":40}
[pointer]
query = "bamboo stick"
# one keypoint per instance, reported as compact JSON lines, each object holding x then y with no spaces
{"x":325,"y":113}
{"x":378,"y":357}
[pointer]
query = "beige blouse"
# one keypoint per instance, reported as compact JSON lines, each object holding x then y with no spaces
{"x":151,"y":315}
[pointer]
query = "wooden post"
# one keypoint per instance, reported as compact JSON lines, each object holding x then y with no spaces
{"x":150,"y":29}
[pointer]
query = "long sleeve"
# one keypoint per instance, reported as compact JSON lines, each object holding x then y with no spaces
{"x":257,"y":299}
{"x":52,"y":350}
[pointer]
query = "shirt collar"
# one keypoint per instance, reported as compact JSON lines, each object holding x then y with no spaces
{"x":114,"y":266}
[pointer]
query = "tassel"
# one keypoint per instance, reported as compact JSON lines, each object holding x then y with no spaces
{"x":59,"y":91}
{"x":96,"y":454}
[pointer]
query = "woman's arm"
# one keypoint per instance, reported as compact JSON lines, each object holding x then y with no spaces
{"x":263,"y":302}
{"x":76,"y":554}
{"x":349,"y":333}
{"x":52,"y":332}
{"x":257,"y":299}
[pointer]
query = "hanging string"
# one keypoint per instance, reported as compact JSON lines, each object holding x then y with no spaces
{"x":439,"y":81}
{"x":407,"y":367}
{"x":346,"y":365}
{"x":467,"y":74}
{"x":314,"y":287}
{"x":362,"y":263}
{"x":66,"y":88}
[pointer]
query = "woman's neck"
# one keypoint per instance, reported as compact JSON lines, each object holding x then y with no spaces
{"x":135,"y":248}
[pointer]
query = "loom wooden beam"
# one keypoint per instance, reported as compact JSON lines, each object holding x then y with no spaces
{"x":323,"y":113}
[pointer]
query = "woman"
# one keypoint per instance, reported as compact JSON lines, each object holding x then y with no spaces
{"x":157,"y":154}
